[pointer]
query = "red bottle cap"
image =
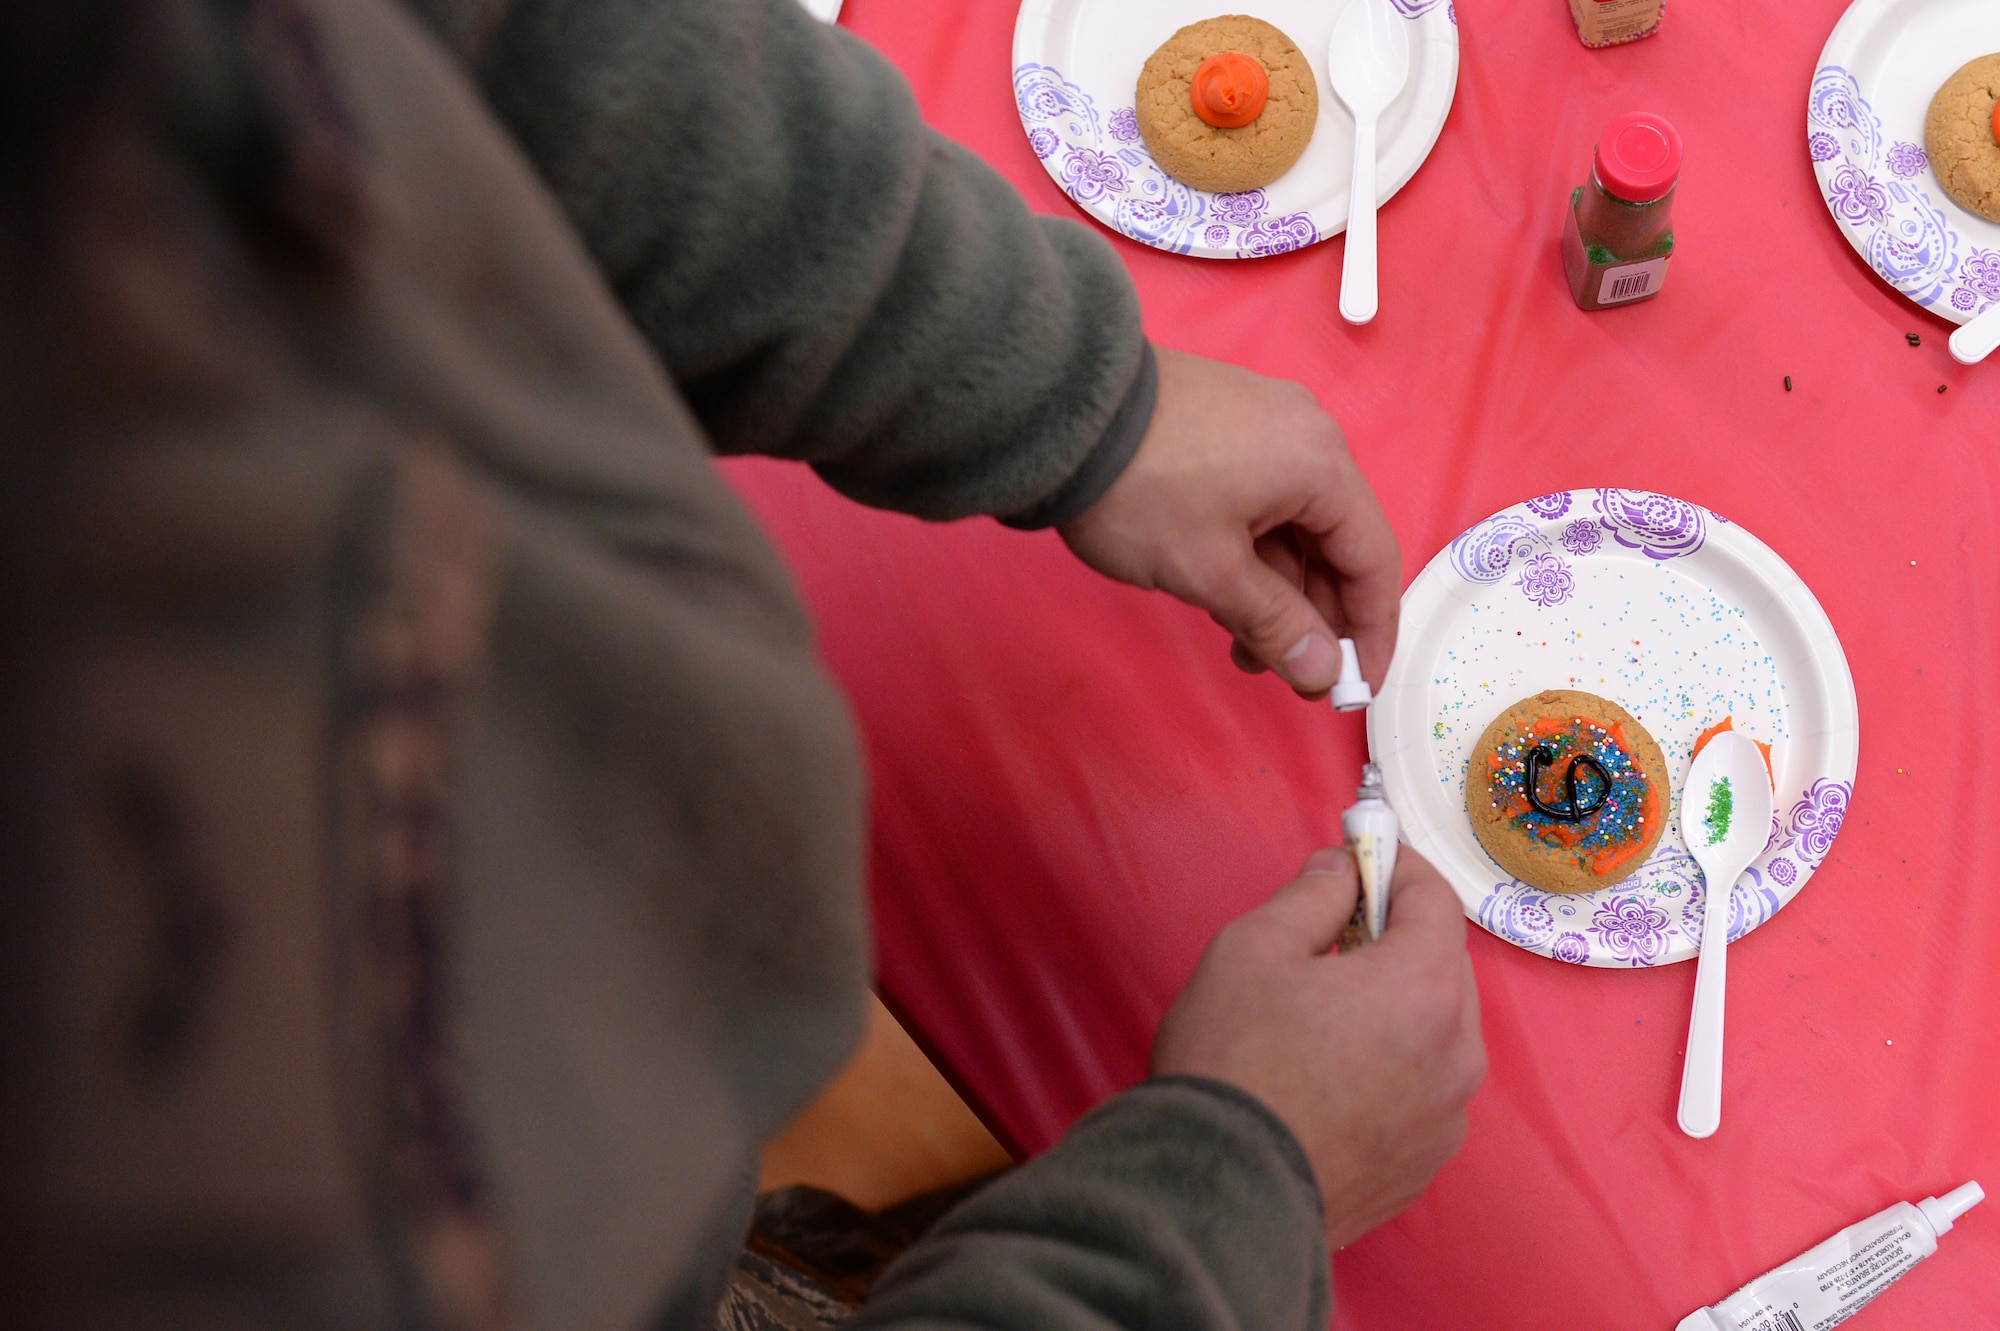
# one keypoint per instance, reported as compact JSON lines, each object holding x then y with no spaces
{"x":1639,"y":157}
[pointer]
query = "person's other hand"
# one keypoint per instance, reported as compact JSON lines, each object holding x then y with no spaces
{"x":1244,"y":501}
{"x":1369,"y":1057}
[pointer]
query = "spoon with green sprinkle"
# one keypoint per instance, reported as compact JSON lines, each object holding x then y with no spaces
{"x":1725,"y":820}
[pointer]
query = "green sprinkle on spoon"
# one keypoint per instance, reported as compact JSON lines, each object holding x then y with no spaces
{"x":1721,"y":803}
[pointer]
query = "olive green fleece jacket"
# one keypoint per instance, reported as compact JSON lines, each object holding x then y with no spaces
{"x":824,"y":277}
{"x":828,"y":279}
{"x":432,"y":848}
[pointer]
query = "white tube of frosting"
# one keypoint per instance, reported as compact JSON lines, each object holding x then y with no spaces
{"x":1370,"y":829}
{"x":1826,"y":1286}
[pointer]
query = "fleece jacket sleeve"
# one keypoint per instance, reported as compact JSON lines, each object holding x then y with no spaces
{"x":1182,"y":1203}
{"x":825,"y":277}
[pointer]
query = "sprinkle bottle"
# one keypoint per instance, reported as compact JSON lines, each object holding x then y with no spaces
{"x":1620,"y":230}
{"x":1609,"y":22}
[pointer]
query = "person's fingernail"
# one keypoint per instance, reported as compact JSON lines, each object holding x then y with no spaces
{"x":1330,"y":859}
{"x":1311,"y":663}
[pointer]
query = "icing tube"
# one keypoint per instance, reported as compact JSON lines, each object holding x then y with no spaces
{"x":1371,"y":829}
{"x":1825,"y":1287}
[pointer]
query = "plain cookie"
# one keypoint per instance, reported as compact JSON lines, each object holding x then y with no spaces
{"x":1958,"y":135}
{"x":1553,"y":852}
{"x":1226,"y":161}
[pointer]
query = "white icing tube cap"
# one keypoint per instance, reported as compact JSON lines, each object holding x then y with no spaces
{"x":1941,"y":1211}
{"x":1350,"y":691}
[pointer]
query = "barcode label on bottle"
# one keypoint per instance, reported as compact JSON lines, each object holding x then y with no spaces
{"x":1789,"y":1320}
{"x":1631,"y":281}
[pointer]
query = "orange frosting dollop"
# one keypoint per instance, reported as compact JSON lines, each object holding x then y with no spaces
{"x":1230,"y":89}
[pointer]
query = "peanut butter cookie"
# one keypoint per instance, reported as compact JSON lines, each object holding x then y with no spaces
{"x":1959,"y":136}
{"x":1220,"y":157}
{"x":1567,"y":791}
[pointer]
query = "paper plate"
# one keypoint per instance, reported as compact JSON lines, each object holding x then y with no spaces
{"x":1077,"y":62}
{"x":1865,"y":131}
{"x":826,"y":11}
{"x":1664,"y":607}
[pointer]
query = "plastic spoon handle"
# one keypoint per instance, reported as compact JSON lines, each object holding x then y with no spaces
{"x":1357,"y":267}
{"x":1974,"y":341}
{"x":1701,"y":1074}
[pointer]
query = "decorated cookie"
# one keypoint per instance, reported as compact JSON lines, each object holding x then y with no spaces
{"x":1227,"y":104}
{"x":1567,"y":792}
{"x":1960,"y":136}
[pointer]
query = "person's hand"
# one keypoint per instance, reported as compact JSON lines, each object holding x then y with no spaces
{"x":1369,"y":1056}
{"x":1244,"y":501}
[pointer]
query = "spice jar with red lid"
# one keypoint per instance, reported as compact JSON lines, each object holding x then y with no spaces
{"x":1609,"y":22}
{"x":1620,"y":231}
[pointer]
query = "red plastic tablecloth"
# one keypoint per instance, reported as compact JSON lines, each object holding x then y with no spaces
{"x":1073,"y":787}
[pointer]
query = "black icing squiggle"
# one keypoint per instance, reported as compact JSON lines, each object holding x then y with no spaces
{"x":1575,"y":810}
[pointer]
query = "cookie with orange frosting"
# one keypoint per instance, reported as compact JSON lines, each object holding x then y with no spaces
{"x":1227,"y":104}
{"x":1567,"y":792}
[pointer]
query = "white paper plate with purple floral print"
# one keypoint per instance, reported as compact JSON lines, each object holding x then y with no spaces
{"x":1076,"y":66}
{"x":1664,"y":607}
{"x":1865,"y":132}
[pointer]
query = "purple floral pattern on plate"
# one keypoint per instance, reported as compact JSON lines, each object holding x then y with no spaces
{"x":1677,"y":887}
{"x":1875,"y":191}
{"x":1043,"y":140}
{"x":1040,"y":93}
{"x":1783,"y":871}
{"x":1546,"y":580}
{"x":1216,"y":236}
{"x":1913,"y":249}
{"x":1906,"y":160}
{"x":1488,"y":551}
{"x":1635,"y":923}
{"x":1239,"y":209}
{"x":1631,"y":928}
{"x":1673,"y":874}
{"x":1279,"y":235}
{"x":1168,"y":220}
{"x":1751,"y":903}
{"x":1981,"y":274}
{"x":1815,"y":820}
{"x":1582,"y":537}
{"x":1125,"y":125}
{"x":1855,"y":197}
{"x":1518,"y":913}
{"x":1549,"y":505}
{"x":1659,"y":526}
{"x":1835,"y":106}
{"x":1090,"y":175}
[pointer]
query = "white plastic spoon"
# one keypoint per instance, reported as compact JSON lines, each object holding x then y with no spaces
{"x":1367,"y":62}
{"x":1725,"y":820}
{"x":1974,"y":341}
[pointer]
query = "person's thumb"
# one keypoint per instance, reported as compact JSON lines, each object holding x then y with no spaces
{"x":1310,"y":911}
{"x":1276,"y":624}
